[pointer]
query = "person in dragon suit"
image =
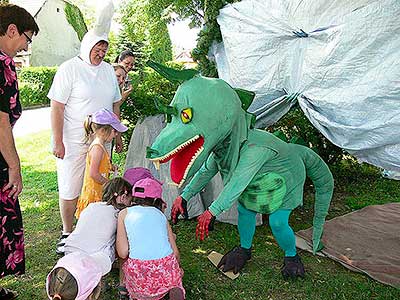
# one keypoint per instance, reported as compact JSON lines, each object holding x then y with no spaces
{"x":209,"y":131}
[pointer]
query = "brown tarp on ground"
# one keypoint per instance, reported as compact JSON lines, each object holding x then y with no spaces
{"x":366,"y":241}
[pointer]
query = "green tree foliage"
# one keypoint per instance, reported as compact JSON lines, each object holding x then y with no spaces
{"x":34,"y":84}
{"x":75,"y":18}
{"x":145,"y":26}
{"x":88,"y":12}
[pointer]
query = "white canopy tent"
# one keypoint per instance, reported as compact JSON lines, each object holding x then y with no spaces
{"x":339,"y":59}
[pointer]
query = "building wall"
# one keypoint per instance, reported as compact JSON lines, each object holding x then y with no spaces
{"x":57,"y":41}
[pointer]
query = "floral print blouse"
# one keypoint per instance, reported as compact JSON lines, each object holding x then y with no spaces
{"x":9,"y":95}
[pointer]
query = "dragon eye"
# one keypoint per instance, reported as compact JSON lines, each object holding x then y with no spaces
{"x":186,"y":115}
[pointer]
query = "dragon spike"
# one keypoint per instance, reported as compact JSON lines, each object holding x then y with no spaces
{"x":172,"y":74}
{"x":246,"y":97}
{"x":168,"y":110}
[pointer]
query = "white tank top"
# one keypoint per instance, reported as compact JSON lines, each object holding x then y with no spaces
{"x":95,"y":231}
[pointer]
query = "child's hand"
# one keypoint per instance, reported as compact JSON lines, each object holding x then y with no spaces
{"x":114,"y":168}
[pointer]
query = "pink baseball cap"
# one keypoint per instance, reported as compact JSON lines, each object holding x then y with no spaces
{"x":86,"y":269}
{"x":132,"y":175}
{"x":106,"y":117}
{"x":147,"y":187}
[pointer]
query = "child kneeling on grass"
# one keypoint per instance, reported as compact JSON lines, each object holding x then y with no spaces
{"x":91,"y":246}
{"x":77,"y":276}
{"x":145,"y":238}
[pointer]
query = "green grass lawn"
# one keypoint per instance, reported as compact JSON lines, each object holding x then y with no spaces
{"x":356,"y":187}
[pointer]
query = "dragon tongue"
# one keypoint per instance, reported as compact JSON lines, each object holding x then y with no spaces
{"x":181,"y":161}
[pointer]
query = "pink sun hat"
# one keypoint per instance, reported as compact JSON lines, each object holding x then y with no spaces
{"x":132,"y":175}
{"x":147,"y":187}
{"x":106,"y":117}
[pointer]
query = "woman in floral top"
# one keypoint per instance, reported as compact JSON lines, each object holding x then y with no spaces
{"x":17,"y":27}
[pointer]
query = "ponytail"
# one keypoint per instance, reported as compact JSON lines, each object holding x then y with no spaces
{"x":88,"y":127}
{"x":56,"y":296}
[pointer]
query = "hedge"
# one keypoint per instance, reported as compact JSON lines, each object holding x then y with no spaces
{"x":34,"y":84}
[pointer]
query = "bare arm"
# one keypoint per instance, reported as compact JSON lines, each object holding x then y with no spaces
{"x":57,"y":125}
{"x":172,"y":240}
{"x":122,"y":243}
{"x":9,"y":152}
{"x":96,"y":155}
{"x":117,"y":108}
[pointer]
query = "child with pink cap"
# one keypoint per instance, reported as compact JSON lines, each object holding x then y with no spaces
{"x":145,"y":238}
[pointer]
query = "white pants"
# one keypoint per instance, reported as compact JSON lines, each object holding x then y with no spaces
{"x":71,"y":170}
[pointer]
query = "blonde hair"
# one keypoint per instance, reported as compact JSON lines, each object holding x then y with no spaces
{"x":62,"y":285}
{"x":94,"y":128}
{"x":118,"y":66}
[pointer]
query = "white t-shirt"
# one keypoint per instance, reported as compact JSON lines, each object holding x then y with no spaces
{"x":84,"y":89}
{"x":147,"y":232}
{"x":95,"y":231}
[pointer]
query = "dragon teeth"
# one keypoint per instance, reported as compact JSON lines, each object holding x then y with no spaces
{"x":183,"y":145}
{"x":190,"y":165}
{"x":156,"y":164}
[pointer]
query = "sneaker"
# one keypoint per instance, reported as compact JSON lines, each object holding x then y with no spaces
{"x":60,"y":247}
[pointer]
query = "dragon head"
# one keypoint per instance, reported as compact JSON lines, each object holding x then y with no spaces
{"x":201,"y":116}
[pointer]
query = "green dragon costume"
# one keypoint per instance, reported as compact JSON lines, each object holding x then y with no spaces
{"x":209,"y":131}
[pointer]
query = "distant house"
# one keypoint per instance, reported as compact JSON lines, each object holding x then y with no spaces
{"x":57,"y":40}
{"x":186,"y":59}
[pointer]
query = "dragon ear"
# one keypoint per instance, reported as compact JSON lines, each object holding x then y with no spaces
{"x":246,"y":97}
{"x":172,"y":74}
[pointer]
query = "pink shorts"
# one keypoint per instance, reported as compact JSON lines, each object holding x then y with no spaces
{"x":152,"y":279}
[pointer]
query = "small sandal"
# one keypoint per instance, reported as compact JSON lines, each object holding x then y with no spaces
{"x":6,"y":294}
{"x":122,"y":293}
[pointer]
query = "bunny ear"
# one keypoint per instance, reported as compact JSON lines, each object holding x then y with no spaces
{"x":103,"y":19}
{"x":172,"y":74}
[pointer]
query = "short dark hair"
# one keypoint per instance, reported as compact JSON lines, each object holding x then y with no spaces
{"x":155,"y":202}
{"x":124,"y":54}
{"x":101,"y":42}
{"x":13,"y":14}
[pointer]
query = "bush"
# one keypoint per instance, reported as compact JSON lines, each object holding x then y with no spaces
{"x":34,"y":84}
{"x":298,"y":129}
